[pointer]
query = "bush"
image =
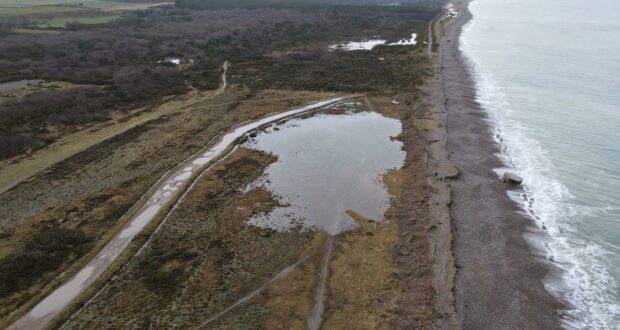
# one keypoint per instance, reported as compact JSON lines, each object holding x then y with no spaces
{"x":164,"y":271}
{"x":45,"y":252}
{"x":136,"y":83}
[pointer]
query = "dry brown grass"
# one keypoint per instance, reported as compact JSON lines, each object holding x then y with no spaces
{"x":91,"y":189}
{"x":227,"y":258}
{"x":385,"y":106}
{"x":291,"y":300}
{"x":364,"y":277}
{"x":19,"y":93}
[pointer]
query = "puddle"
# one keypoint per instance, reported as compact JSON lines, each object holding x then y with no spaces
{"x":327,"y":164}
{"x":18,"y":84}
{"x":184,"y":176}
{"x":59,"y":298}
{"x":140,"y":221}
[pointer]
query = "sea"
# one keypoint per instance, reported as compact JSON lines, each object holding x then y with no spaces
{"x":548,"y":75}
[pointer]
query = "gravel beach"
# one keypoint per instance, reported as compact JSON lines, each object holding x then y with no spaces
{"x":499,"y":277}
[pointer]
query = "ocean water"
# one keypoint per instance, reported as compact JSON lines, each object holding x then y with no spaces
{"x":548,"y":74}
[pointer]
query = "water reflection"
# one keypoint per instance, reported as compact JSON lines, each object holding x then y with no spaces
{"x":328,"y":164}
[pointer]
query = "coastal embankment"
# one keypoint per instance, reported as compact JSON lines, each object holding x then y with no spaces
{"x":498,"y":283}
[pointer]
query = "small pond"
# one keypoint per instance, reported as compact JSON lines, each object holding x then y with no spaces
{"x":327,"y":164}
{"x":18,"y":84}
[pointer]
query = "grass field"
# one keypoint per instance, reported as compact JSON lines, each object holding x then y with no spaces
{"x":38,"y":10}
{"x":123,"y":6}
{"x":57,"y":16}
{"x":99,"y":4}
{"x":62,"y":21}
{"x":18,"y":93}
{"x":20,"y":3}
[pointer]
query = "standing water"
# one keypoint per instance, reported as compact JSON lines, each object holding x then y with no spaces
{"x":547,"y":72}
{"x":328,"y":164}
{"x":18,"y":84}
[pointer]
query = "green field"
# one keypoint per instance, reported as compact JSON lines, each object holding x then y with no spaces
{"x":60,"y":22}
{"x":38,"y":10}
{"x":16,"y":3}
{"x":97,"y":4}
{"x":57,"y":13}
{"x":59,"y":16}
{"x":120,"y":5}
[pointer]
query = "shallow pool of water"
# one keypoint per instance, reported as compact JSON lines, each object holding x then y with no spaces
{"x":18,"y":84}
{"x":328,"y":164}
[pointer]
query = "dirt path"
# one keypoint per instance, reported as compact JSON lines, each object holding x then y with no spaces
{"x":14,"y":173}
{"x":224,"y":82}
{"x":431,"y":34}
{"x":249,"y":297}
{"x":315,"y":319}
{"x":167,"y":192}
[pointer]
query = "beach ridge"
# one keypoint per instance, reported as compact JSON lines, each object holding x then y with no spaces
{"x":499,"y":278}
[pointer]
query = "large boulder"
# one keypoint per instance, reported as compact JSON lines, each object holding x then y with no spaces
{"x":511,"y":178}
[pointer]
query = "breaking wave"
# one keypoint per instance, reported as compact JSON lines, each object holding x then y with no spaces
{"x":584,"y":282}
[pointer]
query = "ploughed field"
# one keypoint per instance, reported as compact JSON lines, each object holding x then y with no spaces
{"x":241,"y":249}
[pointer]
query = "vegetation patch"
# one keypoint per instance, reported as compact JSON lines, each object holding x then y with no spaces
{"x":291,"y":299}
{"x":363,"y":274}
{"x":73,"y":22}
{"x":206,"y":254}
{"x":92,"y":189}
{"x":37,"y":10}
{"x":38,"y":119}
{"x":269,"y":49}
{"x":165,"y":269}
{"x":45,"y":251}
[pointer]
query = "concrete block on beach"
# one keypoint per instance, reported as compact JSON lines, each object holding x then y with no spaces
{"x":511,"y":178}
{"x":452,"y":172}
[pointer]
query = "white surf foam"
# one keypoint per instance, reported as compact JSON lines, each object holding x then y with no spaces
{"x":585,"y":282}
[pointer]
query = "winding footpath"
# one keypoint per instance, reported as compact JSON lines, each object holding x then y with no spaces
{"x":170,"y":188}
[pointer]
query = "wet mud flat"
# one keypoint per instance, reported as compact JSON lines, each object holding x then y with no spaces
{"x":214,"y":266}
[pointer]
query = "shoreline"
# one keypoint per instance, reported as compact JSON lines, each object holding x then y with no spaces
{"x":499,"y":277}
